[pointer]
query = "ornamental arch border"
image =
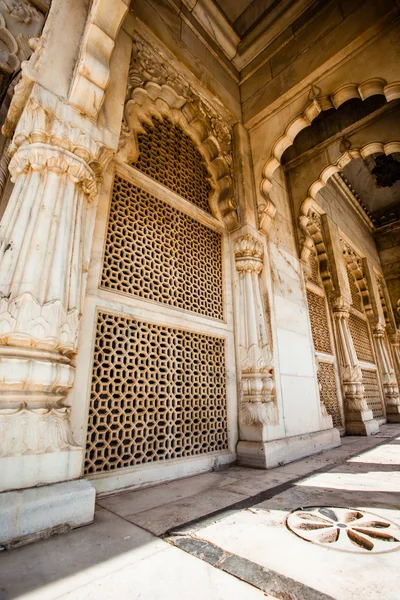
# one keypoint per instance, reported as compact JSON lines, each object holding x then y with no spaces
{"x":161,"y":101}
{"x":310,"y":204}
{"x":318,"y":104}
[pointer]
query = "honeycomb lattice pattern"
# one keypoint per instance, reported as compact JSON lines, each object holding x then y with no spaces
{"x":360,"y":335}
{"x":355,"y":294}
{"x":169,"y":156}
{"x":319,"y":323}
{"x":372,"y":393}
{"x":157,"y":393}
{"x":313,"y":275}
{"x":155,"y":252}
{"x":328,"y":391}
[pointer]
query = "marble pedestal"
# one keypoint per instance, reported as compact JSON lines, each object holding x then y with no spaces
{"x":266,"y":455}
{"x":34,"y":513}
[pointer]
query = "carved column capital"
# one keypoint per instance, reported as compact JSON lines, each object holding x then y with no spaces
{"x":40,"y":157}
{"x":249,"y":255}
{"x":52,"y":135}
{"x":340,"y":307}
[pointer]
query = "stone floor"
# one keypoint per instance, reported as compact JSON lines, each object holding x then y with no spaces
{"x":227,"y":535}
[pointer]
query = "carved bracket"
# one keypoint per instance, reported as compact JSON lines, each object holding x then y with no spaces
{"x":92,"y":74}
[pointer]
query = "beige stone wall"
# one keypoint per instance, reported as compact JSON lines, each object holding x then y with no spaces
{"x":308,"y":49}
{"x":175,"y":27}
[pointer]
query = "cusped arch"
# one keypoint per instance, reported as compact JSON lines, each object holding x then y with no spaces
{"x":310,"y":203}
{"x":161,"y":101}
{"x":319,"y":103}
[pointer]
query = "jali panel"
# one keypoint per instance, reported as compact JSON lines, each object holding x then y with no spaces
{"x":360,"y":334}
{"x":313,"y":263}
{"x":328,"y":391}
{"x":372,"y":392}
{"x":170,"y":157}
{"x":319,"y":322}
{"x":158,"y":393}
{"x":355,"y":294}
{"x":155,"y":252}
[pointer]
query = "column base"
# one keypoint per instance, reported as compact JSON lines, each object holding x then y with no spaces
{"x":34,"y":513}
{"x":30,"y":470}
{"x":393,"y":417}
{"x":266,"y":455}
{"x":362,"y":427}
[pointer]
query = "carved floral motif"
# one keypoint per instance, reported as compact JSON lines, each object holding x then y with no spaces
{"x":21,"y":12}
{"x":255,"y":352}
{"x":34,"y":431}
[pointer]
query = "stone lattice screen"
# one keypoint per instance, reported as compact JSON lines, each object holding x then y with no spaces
{"x":169,"y":156}
{"x":361,"y":339}
{"x":319,"y":323}
{"x":372,"y":392}
{"x":321,"y":336}
{"x":158,"y":393}
{"x":328,"y":391}
{"x":155,"y":252}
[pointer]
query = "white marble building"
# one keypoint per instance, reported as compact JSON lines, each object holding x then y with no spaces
{"x":199,"y":257}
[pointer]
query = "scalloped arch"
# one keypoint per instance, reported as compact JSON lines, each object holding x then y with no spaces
{"x":368,"y":88}
{"x":322,"y":181}
{"x":154,"y":100}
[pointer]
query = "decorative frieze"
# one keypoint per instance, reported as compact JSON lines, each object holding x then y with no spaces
{"x":255,"y":355}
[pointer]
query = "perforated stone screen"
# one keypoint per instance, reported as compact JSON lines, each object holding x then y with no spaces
{"x":328,"y":391}
{"x":158,"y":393}
{"x":372,"y":392}
{"x":319,"y":322}
{"x":154,"y":251}
{"x":360,"y":334}
{"x":170,"y":157}
{"x":355,"y":294}
{"x":313,"y":275}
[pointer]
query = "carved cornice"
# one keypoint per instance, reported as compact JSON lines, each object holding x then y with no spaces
{"x":156,"y":89}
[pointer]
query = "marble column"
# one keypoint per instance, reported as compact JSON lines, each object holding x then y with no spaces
{"x":55,"y":165}
{"x":377,"y":320}
{"x":359,"y":418}
{"x":390,"y":386}
{"x":255,"y":356}
{"x":394,"y":340}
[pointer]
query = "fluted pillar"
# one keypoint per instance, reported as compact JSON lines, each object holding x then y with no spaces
{"x":390,"y":385}
{"x":359,"y":418}
{"x":257,"y":384}
{"x":394,"y":340}
{"x":55,"y":166}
